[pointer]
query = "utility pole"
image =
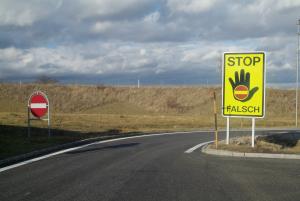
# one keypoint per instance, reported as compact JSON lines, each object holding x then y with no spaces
{"x":297,"y":75}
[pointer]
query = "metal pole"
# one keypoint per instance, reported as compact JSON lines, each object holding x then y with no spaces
{"x":297,"y":74}
{"x":49,"y":132}
{"x":253,"y":131}
{"x":227,"y":131}
{"x":28,"y":122}
{"x":216,"y":121}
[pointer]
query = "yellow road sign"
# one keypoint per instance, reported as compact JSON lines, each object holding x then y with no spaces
{"x":244,"y":84}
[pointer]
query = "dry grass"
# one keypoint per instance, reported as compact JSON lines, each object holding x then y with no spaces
{"x":92,"y":108}
{"x":288,"y":143}
{"x":104,"y":122}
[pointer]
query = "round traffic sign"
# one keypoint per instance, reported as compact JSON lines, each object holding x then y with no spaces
{"x":38,"y":104}
{"x":241,"y":92}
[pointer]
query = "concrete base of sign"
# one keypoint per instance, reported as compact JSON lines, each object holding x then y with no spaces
{"x":219,"y":152}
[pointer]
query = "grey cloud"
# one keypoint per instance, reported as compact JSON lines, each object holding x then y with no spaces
{"x":73,"y":21}
{"x":68,"y":38}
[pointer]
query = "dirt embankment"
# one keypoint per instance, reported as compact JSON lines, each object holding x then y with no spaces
{"x":107,"y":99}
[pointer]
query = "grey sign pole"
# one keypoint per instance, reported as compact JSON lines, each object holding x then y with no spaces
{"x":28,"y":121}
{"x":49,"y":131}
{"x":297,"y":75}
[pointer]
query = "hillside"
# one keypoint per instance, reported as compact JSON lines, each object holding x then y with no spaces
{"x":119,"y":106}
{"x":94,"y":99}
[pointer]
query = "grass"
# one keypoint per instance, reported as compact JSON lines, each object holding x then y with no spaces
{"x":288,"y":143}
{"x":79,"y":110}
{"x":14,"y":139}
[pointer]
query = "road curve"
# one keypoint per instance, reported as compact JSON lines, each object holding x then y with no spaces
{"x":151,"y":168}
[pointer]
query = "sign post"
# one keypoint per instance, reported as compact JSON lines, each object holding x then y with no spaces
{"x":38,"y":106}
{"x":253,"y":132}
{"x":244,"y":86}
{"x":216,"y":121}
{"x":227,"y":131}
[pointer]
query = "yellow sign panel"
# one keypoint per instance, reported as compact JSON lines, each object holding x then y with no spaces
{"x":244,"y":84}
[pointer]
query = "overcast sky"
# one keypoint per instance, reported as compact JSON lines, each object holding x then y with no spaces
{"x":156,"y":41}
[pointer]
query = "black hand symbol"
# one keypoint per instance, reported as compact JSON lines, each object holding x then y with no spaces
{"x":242,"y":82}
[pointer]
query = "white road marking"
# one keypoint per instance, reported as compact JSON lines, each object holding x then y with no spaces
{"x":190,"y":150}
{"x":79,"y":147}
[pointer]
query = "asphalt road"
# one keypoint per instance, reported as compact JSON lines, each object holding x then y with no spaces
{"x":152,"y":168}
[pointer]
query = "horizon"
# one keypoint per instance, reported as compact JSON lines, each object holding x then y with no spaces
{"x":287,"y":86}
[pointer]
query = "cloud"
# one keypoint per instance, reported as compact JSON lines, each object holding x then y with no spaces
{"x":190,"y":6}
{"x":108,"y":8}
{"x":25,"y":13}
{"x":115,"y":57}
{"x":152,"y":17}
{"x":69,"y":38}
{"x":101,"y":27}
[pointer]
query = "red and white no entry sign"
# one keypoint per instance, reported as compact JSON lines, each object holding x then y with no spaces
{"x":38,"y":104}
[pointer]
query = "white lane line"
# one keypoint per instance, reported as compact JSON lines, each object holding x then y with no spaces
{"x":99,"y":142}
{"x":190,"y":150}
